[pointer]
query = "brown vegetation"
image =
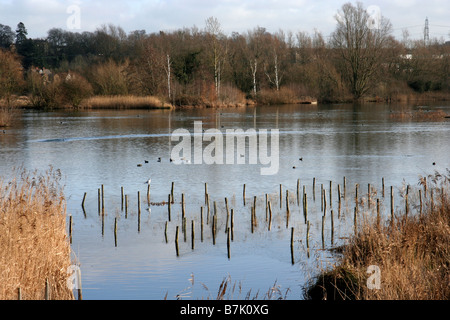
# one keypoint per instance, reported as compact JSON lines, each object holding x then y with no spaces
{"x":201,"y":67}
{"x":33,"y":238}
{"x":412,"y":252}
{"x":419,"y":115}
{"x":127,"y":101}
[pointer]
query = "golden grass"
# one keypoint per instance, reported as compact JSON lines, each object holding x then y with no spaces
{"x":419,"y":115}
{"x":6,"y":115}
{"x":125,"y":102}
{"x":33,"y":241}
{"x":412,"y":252}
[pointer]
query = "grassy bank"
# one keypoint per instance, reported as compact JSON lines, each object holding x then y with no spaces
{"x":412,"y":252}
{"x":122,"y":102}
{"x":33,"y":238}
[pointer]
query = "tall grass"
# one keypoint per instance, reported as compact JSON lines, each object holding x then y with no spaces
{"x":412,"y":252}
{"x":6,"y":115}
{"x":124,"y":102}
{"x":33,"y":241}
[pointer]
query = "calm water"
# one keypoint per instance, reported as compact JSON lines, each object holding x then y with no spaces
{"x":362,"y":143}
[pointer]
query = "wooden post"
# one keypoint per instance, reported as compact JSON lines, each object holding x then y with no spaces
{"x":368,"y":195}
{"x":183,"y":229}
{"x":332,"y":227}
{"x":103,"y":199}
{"x":270,"y":216}
{"x":232,"y":225}
{"x":206,"y":192}
{"x":192,"y":234}
{"x":228,"y":214}
{"x":356,"y":196}
{"x":281,"y":196}
{"x":171,"y":191}
{"x":126,"y":206}
{"x":176,"y":241}
{"x":169,"y":205}
{"x":228,"y":243}
{"x":70,"y":228}
{"x":243,"y":194}
{"x":355,"y":220}
{"x":165,"y":231}
{"x":298,"y":192}
{"x":252,"y":218}
{"x":287,"y":208}
{"x":139,"y":210}
{"x":314,"y":189}
{"x":382,"y":186}
{"x":182,"y":206}
{"x":378,"y":213}
{"x":307,"y":234}
{"x":214,"y":228}
{"x":115,"y":232}
{"x":292,"y":245}
{"x":121,"y":198}
{"x":148,"y":195}
{"x":103,"y":225}
{"x":331,"y":193}
{"x":392,"y":204}
{"x":324,"y":202}
{"x":82,"y":203}
{"x":305,"y":207}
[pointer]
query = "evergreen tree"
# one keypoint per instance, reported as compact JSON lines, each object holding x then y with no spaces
{"x":21,"y":33}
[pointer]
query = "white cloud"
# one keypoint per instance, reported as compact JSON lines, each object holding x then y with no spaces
{"x":234,"y":15}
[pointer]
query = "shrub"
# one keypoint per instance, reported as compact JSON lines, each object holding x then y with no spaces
{"x":75,"y":89}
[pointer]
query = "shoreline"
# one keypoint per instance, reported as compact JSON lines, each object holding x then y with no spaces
{"x":99,"y":102}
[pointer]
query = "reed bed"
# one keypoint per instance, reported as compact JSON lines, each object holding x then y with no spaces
{"x":33,"y":240}
{"x":125,"y":102}
{"x":412,"y":252}
{"x":420,"y":115}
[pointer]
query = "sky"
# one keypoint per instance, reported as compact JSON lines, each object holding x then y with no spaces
{"x":39,"y":16}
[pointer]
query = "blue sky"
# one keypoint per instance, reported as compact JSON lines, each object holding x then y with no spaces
{"x":234,"y":15}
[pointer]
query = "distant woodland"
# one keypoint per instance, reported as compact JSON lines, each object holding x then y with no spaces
{"x":204,"y":66}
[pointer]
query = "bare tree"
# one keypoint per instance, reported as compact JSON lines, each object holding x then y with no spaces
{"x":215,"y":34}
{"x":360,"y":46}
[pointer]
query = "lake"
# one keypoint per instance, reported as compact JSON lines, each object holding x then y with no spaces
{"x":124,"y":148}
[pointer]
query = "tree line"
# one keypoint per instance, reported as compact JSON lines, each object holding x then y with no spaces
{"x":193,"y":65}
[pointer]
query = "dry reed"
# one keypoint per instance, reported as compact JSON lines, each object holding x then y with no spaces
{"x":33,"y":239}
{"x":412,"y":252}
{"x":128,"y":101}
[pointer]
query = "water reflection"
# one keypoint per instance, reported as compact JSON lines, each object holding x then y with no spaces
{"x":94,"y":148}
